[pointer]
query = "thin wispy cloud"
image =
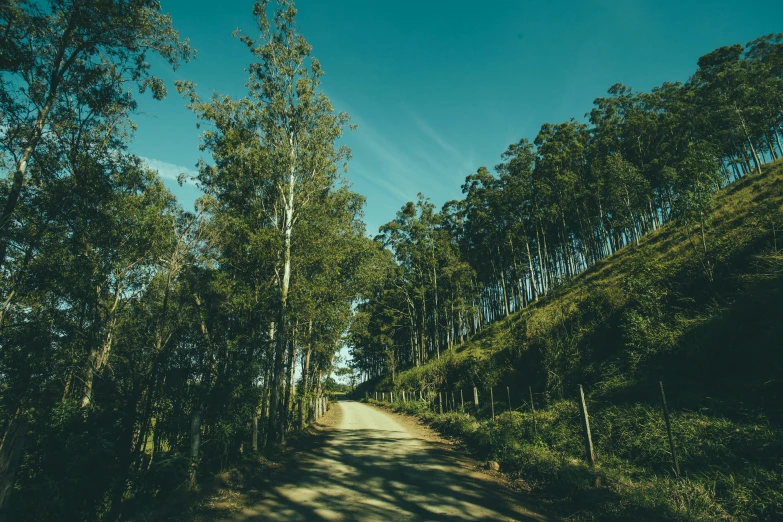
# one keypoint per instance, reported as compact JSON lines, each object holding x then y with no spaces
{"x":400,"y":173}
{"x":465,"y":161}
{"x":168,"y":170}
{"x":431,"y":133}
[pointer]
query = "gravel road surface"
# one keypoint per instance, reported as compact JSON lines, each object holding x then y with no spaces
{"x":374,"y":468}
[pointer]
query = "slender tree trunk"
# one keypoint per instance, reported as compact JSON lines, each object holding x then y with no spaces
{"x":290,"y":384}
{"x":275,"y":424}
{"x":195,"y":444}
{"x":771,"y":147}
{"x":436,"y":336}
{"x":777,"y":140}
{"x":750,"y":142}
{"x":11,"y":449}
{"x":503,"y":285}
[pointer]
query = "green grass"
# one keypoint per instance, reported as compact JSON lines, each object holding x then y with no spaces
{"x":647,"y":314}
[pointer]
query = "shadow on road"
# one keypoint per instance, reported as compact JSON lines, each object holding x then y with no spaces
{"x":375,"y":474}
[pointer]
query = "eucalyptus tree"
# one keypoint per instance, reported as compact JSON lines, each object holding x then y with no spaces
{"x":412,"y":237}
{"x":520,"y":206}
{"x":727,"y":85}
{"x":101,"y":236}
{"x":277,"y":148}
{"x":72,"y":61}
{"x":333,"y":260}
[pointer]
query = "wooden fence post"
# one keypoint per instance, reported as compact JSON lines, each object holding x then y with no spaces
{"x":533,"y":409}
{"x":492,"y":401}
{"x":475,"y":400}
{"x":589,"y":450}
{"x":669,"y":431}
{"x":440,"y":403}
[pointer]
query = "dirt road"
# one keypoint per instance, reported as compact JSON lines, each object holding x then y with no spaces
{"x":373,"y":468}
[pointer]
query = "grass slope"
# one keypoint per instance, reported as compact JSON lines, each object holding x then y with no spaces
{"x":709,"y":325}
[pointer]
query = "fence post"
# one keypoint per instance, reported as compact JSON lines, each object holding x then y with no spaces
{"x":589,"y":450}
{"x":440,"y":403}
{"x":669,"y":431}
{"x":391,"y":394}
{"x":475,"y":400}
{"x":533,"y":409}
{"x":462,"y":400}
{"x":492,"y":401}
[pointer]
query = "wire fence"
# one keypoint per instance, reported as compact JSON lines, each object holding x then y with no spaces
{"x":487,"y":404}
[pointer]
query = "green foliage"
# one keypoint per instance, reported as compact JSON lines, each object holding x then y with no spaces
{"x":645,"y":315}
{"x":139,"y":341}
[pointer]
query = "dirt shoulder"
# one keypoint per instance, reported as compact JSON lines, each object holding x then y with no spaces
{"x":230,"y":493}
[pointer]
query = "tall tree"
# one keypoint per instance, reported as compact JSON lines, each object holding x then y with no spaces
{"x":66,"y":60}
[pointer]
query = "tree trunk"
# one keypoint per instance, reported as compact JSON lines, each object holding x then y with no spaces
{"x":195,"y":444}
{"x":275,"y":424}
{"x":532,"y":271}
{"x":756,"y":159}
{"x":11,"y":449}
{"x":503,"y":285}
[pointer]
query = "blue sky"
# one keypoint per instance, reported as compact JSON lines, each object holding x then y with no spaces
{"x":440,"y":88}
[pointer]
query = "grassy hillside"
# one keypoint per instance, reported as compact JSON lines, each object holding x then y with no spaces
{"x":708,"y":323}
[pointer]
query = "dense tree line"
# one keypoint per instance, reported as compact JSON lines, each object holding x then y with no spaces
{"x":575,"y":195}
{"x":142,"y":344}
